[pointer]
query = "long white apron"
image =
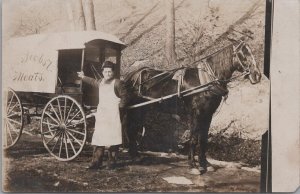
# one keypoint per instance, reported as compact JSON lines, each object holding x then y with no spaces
{"x":108,"y":124}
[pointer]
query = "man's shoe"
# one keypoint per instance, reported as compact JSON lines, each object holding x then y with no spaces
{"x":110,"y":167}
{"x":92,"y":167}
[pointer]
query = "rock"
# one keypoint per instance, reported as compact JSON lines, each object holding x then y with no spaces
{"x":178,"y":180}
{"x":194,"y":171}
{"x":234,"y":165}
{"x":210,"y":169}
{"x":199,"y":181}
{"x":251,"y":169}
{"x":164,"y":154}
{"x":85,"y":184}
{"x":56,"y":184}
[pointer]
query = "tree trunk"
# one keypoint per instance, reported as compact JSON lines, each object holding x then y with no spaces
{"x":79,"y":19}
{"x":88,"y":8}
{"x":170,"y":33}
{"x":70,"y":14}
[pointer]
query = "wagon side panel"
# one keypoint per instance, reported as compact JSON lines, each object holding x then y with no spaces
{"x":30,"y":66}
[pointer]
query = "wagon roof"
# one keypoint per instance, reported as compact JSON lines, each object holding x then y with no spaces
{"x":65,"y":40}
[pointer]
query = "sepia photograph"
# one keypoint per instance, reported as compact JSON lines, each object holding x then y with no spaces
{"x":136,"y":95}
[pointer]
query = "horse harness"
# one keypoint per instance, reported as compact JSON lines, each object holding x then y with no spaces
{"x":178,"y":74}
{"x":212,"y":83}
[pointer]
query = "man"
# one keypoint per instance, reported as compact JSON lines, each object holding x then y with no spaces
{"x":108,"y":126}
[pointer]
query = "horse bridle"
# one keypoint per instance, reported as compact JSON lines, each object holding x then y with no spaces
{"x":238,"y":51}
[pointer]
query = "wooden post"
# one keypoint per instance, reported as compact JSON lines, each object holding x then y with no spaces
{"x":81,"y":67}
{"x":118,"y":63}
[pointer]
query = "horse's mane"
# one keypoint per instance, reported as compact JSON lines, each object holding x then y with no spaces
{"x":221,"y":61}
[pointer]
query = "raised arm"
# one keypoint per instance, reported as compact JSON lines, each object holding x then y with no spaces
{"x":88,"y":80}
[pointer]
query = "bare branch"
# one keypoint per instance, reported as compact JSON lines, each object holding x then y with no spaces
{"x":139,"y":21}
{"x":151,"y":27}
{"x":241,"y":20}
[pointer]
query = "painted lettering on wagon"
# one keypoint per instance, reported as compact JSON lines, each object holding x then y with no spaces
{"x":35,"y":77}
{"x":40,"y":59}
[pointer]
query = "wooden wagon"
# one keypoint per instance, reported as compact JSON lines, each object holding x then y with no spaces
{"x":40,"y":79}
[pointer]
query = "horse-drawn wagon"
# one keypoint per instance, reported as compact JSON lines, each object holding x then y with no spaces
{"x":41,"y":72}
{"x":40,"y":79}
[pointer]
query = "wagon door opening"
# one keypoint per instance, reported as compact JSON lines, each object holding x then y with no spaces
{"x":69,"y":63}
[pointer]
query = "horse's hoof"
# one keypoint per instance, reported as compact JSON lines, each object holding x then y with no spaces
{"x":194,"y":171}
{"x":202,"y":170}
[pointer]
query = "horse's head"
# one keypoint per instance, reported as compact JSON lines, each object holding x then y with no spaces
{"x":245,"y":62}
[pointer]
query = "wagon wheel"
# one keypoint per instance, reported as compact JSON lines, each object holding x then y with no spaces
{"x":63,"y":128}
{"x":12,"y":119}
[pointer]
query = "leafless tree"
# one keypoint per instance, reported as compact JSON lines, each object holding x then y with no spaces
{"x":78,"y":16}
{"x":81,"y":14}
{"x":32,"y":25}
{"x":189,"y":39}
{"x":70,"y":14}
{"x":88,"y":9}
{"x":170,"y":33}
{"x":33,"y":21}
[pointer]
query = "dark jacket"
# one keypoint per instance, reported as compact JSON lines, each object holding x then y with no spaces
{"x":119,"y":87}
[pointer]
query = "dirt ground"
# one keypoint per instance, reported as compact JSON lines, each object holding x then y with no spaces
{"x":29,"y":168}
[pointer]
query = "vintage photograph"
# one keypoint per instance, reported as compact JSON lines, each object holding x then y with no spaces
{"x":134,"y":95}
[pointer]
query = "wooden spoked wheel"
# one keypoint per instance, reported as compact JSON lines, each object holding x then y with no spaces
{"x":63,"y":128}
{"x":12,"y":119}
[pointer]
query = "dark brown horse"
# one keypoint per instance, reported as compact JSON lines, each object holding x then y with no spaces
{"x":193,"y":93}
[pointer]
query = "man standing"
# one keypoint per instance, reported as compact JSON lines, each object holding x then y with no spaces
{"x":108,"y":125}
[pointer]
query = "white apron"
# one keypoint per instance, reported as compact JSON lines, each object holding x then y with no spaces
{"x":108,"y":130}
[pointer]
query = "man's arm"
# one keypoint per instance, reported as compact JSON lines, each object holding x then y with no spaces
{"x":88,"y":80}
{"x":122,"y":93}
{"x":91,"y":81}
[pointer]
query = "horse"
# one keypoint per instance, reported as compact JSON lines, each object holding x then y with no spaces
{"x":198,"y":90}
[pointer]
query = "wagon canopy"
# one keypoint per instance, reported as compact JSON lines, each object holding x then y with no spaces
{"x":30,"y":64}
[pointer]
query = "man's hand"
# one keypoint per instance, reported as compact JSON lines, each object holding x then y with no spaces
{"x":80,"y":74}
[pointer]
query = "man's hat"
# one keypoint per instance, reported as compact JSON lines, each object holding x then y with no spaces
{"x":108,"y":64}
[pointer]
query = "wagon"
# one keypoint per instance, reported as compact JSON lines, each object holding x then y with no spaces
{"x":40,"y":79}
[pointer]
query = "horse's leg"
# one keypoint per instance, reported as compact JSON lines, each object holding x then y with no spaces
{"x":203,"y":138}
{"x":191,"y":156}
{"x":134,"y":124}
{"x":193,"y":140}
